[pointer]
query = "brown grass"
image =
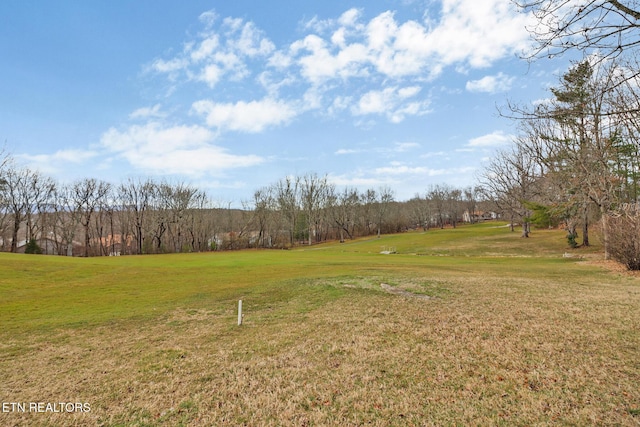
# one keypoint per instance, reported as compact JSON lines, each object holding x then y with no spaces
{"x":484,"y":351}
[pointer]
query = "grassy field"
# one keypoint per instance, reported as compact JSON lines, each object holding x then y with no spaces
{"x":467,"y":326}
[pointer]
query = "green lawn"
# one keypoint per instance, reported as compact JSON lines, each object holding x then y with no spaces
{"x":513,"y":333}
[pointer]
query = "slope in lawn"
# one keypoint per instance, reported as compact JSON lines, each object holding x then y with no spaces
{"x":510,"y":334}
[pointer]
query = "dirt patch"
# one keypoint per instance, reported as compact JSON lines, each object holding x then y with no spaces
{"x":395,"y":291}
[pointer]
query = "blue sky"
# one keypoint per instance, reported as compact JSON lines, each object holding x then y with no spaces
{"x":234,"y":95}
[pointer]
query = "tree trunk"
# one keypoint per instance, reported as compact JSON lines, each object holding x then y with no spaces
{"x":585,"y":234}
{"x":605,"y":233}
{"x":139,"y":238}
{"x":14,"y":236}
{"x":585,"y":227}
{"x":86,"y":239}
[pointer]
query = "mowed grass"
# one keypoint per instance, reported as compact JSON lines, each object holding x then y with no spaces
{"x":490,"y":329}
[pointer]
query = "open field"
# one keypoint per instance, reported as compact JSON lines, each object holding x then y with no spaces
{"x":512,"y":333}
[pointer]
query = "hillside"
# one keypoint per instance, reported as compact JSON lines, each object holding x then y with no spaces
{"x":459,"y":326}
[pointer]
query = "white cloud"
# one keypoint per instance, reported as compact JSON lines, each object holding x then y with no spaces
{"x":478,"y":32}
{"x":334,"y":53}
{"x":251,"y":41}
{"x":208,"y":18}
{"x":397,"y":147}
{"x":206,"y":48}
{"x":391,"y":101}
{"x":350,"y":18}
{"x":251,"y":117}
{"x":411,"y":109}
{"x":402,"y":170}
{"x":211,"y":74}
{"x":421,"y":170}
{"x":62,"y":156}
{"x":273,"y":82}
{"x":491,"y":84}
{"x":408,"y":92}
{"x":318,"y":64}
{"x":344,"y":151}
{"x":347,"y":19}
{"x":58,"y":161}
{"x":465,"y":34}
{"x":218,"y":52}
{"x":339,"y":104}
{"x":397,"y":174}
{"x":170,"y":66}
{"x":381,"y":30}
{"x":339,"y":38}
{"x":376,"y":101}
{"x":494,"y":139}
{"x":433,"y":154}
{"x":147,"y":112}
{"x":402,"y":147}
{"x":358,"y":180}
{"x":280,"y":60}
{"x":173,"y":150}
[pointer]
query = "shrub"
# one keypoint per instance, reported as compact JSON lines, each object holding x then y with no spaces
{"x":32,"y":247}
{"x":624,"y":237}
{"x":571,"y":239}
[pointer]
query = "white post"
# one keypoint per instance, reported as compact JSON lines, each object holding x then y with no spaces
{"x":239,"y":312}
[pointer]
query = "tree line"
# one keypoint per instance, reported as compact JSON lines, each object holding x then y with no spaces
{"x":575,"y":160}
{"x":91,"y":217}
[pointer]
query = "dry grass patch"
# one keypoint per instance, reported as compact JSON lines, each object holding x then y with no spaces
{"x":501,"y":340}
{"x":488,"y":351}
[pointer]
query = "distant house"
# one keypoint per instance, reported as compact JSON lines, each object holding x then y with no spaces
{"x":112,"y":245}
{"x":478,"y":216}
{"x":48,"y":246}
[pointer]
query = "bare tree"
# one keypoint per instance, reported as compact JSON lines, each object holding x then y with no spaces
{"x":420,"y":211}
{"x":609,"y":27}
{"x":344,"y":210}
{"x":510,"y":179}
{"x":368,"y":199}
{"x":159,"y":221}
{"x":454,"y":199}
{"x":313,"y":196}
{"x":385,"y":197}
{"x":87,"y":196}
{"x":66,"y":220}
{"x":22,"y":188}
{"x":580,"y":138}
{"x":200,"y":222}
{"x":104,"y":225}
{"x":135,"y":202}
{"x":40,"y":190}
{"x":178,"y":199}
{"x":437,"y":195}
{"x":264,"y":208}
{"x":470,"y":200}
{"x":626,"y":138}
{"x":288,"y":201}
{"x":6,"y":162}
